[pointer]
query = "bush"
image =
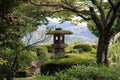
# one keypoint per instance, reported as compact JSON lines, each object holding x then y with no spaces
{"x":41,"y":52}
{"x":56,"y":65}
{"x":114,"y":54}
{"x":93,"y":51}
{"x":94,"y":46}
{"x":49,"y":48}
{"x":89,"y":73}
{"x":83,"y":47}
{"x":25,"y":58}
{"x":74,"y":51}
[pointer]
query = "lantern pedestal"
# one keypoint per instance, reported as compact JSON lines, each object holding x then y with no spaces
{"x":59,"y":49}
{"x":59,"y":40}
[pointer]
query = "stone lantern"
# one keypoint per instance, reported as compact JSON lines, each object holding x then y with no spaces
{"x":59,"y":41}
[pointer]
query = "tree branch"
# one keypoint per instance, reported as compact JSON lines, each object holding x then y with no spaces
{"x":70,"y":8}
{"x":29,"y":37}
{"x":56,"y":11}
{"x":82,"y":16}
{"x":112,"y":15}
{"x":110,"y":12}
{"x":111,"y":3}
{"x":116,"y":29}
{"x":100,"y":10}
{"x":96,"y":19}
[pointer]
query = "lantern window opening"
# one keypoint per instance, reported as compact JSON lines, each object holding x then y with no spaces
{"x":61,"y":38}
{"x":56,"y":38}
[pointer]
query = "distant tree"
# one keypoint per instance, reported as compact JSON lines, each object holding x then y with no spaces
{"x":104,"y":14}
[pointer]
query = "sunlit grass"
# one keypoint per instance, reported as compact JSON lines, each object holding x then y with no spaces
{"x":81,"y":56}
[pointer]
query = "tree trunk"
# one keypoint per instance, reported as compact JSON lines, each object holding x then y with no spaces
{"x":1,"y":75}
{"x":1,"y":78}
{"x":106,"y":46}
{"x":102,"y":50}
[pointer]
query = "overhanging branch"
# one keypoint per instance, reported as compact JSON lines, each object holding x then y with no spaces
{"x":111,"y":3}
{"x":116,"y":29}
{"x":112,"y":15}
{"x":95,"y":2}
{"x":96,"y":19}
{"x":82,"y":16}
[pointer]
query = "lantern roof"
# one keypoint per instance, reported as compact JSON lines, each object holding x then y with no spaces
{"x":60,"y":31}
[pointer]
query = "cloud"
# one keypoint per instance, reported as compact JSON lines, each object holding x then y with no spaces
{"x":55,"y":20}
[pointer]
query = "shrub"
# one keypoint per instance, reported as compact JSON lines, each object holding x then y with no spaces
{"x":49,"y":48}
{"x":94,"y":46}
{"x":89,"y":73}
{"x":92,"y":72}
{"x":93,"y":51}
{"x":114,"y":54}
{"x":25,"y":58}
{"x":83,"y":47}
{"x":56,"y":65}
{"x":69,"y":47}
{"x":41,"y":52}
{"x":74,"y":51}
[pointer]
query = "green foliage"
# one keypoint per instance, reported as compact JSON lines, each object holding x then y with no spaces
{"x":8,"y":8}
{"x":114,"y":54}
{"x":93,"y":51}
{"x":25,"y":58}
{"x":55,"y":65}
{"x":49,"y":48}
{"x":81,"y":56}
{"x":7,"y":54}
{"x":89,"y":73}
{"x":23,"y":61}
{"x":74,"y":51}
{"x":94,"y":46}
{"x":20,"y":22}
{"x":35,"y":14}
{"x":2,"y":61}
{"x":65,"y":16}
{"x":84,"y":73}
{"x":69,"y":48}
{"x":83,"y":47}
{"x":41,"y":52}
